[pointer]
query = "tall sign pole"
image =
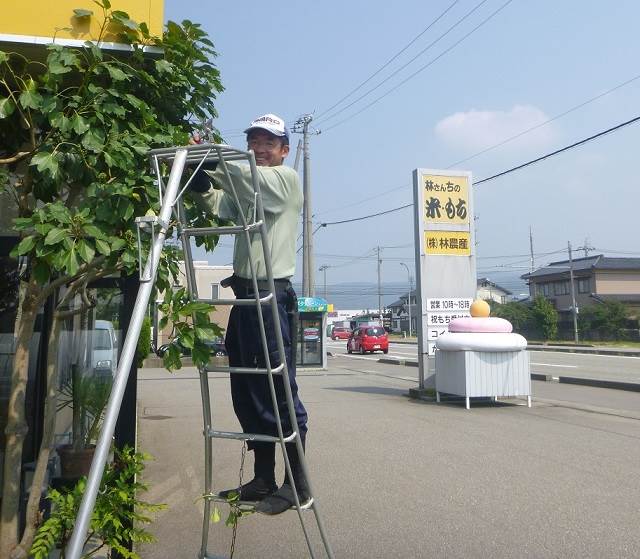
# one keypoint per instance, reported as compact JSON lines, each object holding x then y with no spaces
{"x":445,"y":257}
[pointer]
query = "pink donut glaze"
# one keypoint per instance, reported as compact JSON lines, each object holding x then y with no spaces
{"x":488,"y":324}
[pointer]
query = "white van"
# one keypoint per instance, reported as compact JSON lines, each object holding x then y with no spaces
{"x":104,"y":349}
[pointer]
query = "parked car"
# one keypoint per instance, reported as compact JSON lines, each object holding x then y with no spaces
{"x":104,"y":349}
{"x":368,"y":338}
{"x":216,"y":346}
{"x":340,"y":333}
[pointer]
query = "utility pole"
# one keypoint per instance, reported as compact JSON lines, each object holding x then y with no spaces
{"x":301,"y":126}
{"x":379,"y":250}
{"x":296,"y":164}
{"x":410,"y":290}
{"x":586,"y":247}
{"x":573,"y":296}
{"x":532,"y":264}
{"x":323,"y":269}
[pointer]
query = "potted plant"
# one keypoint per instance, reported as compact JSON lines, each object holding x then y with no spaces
{"x":87,"y":396}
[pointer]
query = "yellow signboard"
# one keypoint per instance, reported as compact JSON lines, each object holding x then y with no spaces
{"x":452,"y":243}
{"x":25,"y":22}
{"x":446,"y":199}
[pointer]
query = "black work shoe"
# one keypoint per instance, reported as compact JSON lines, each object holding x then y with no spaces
{"x":281,"y":500}
{"x":256,"y":490}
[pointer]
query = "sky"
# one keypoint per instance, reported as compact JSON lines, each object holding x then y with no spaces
{"x":481,"y":74}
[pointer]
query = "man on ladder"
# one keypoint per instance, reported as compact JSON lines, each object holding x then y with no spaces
{"x":268,"y":137}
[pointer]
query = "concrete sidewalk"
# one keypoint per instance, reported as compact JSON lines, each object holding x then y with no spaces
{"x":401,"y":478}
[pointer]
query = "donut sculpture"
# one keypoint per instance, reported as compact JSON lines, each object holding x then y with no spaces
{"x":480,"y":332}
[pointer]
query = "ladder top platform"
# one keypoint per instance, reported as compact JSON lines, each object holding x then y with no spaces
{"x":198,"y":152}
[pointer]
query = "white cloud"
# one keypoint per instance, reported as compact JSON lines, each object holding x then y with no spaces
{"x":477,"y":130}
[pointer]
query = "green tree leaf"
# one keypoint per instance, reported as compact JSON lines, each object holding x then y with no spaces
{"x":30,"y":99}
{"x":41,"y":272}
{"x":80,"y":124}
{"x":55,"y":236}
{"x":7,"y":106}
{"x":86,"y":251}
{"x":25,"y":245}
{"x":116,"y":73}
{"x":46,"y":162}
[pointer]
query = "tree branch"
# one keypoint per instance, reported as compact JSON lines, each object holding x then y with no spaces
{"x":14,"y":158}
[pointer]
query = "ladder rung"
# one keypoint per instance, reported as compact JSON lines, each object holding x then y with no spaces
{"x":245,"y":302}
{"x":248,"y":436}
{"x":222,"y":230}
{"x":243,"y":370}
{"x":216,"y":498}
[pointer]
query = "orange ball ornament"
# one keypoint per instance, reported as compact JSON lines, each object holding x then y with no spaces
{"x":480,"y":308}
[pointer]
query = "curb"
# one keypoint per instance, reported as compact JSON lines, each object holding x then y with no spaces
{"x":597,"y":383}
{"x":585,"y":350}
{"x":405,"y":362}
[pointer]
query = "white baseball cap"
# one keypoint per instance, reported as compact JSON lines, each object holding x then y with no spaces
{"x":270,"y":123}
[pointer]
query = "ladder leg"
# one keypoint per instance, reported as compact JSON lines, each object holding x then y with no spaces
{"x":75,"y":546}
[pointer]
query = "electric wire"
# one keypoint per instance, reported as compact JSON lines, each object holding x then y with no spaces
{"x":432,"y":61}
{"x":556,"y":117}
{"x":508,"y":171}
{"x":389,"y":61}
{"x":558,"y":151}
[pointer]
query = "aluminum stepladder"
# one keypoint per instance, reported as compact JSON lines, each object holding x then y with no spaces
{"x":171,"y":203}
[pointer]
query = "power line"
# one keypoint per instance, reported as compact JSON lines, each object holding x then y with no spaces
{"x":558,"y":151}
{"x":483,"y":22}
{"x":513,"y":169}
{"x":365,"y":217}
{"x":556,"y":117}
{"x":389,"y":62}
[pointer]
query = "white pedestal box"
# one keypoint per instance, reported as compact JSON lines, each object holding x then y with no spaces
{"x":483,"y":373}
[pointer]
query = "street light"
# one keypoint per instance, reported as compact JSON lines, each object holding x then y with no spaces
{"x":323,"y":268}
{"x":410,"y":289}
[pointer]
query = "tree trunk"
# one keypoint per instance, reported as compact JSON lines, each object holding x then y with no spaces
{"x":17,"y":428}
{"x":46,"y":446}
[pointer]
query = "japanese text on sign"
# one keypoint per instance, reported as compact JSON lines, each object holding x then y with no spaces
{"x":446,"y":199}
{"x":455,"y":243}
{"x":439,"y":319}
{"x":444,"y":305}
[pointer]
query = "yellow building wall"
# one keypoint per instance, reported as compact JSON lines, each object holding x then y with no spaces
{"x":41,"y":18}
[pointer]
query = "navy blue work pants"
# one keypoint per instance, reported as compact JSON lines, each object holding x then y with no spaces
{"x":250,"y":393}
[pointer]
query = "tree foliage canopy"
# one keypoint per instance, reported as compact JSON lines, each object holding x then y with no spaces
{"x":74,"y":134}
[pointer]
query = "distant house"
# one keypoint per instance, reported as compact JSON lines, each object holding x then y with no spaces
{"x":596,"y":278}
{"x":400,"y":313}
{"x":489,"y":291}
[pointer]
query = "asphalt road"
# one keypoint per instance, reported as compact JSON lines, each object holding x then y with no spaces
{"x":602,"y":367}
{"x":404,"y":478}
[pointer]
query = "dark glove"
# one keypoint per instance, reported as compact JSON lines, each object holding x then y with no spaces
{"x":201,"y":182}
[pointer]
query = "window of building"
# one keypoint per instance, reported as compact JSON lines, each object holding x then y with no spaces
{"x":215,"y":290}
{"x":584,"y":285}
{"x":561,"y":287}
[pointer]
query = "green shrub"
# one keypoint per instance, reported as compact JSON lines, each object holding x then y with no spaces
{"x":144,"y":342}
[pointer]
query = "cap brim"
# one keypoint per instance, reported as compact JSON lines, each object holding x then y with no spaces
{"x":257,"y":127}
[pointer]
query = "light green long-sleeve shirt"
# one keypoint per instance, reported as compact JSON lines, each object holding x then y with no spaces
{"x":282,"y":203}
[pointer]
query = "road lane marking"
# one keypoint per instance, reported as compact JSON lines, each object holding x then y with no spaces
{"x":552,"y":365}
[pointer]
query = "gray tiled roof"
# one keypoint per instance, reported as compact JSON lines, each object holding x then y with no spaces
{"x":597,"y":262}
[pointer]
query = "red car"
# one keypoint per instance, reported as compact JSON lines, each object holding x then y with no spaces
{"x":340,"y":333}
{"x":368,"y":338}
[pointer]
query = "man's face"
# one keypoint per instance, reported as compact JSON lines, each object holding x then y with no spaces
{"x":269,"y":149}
